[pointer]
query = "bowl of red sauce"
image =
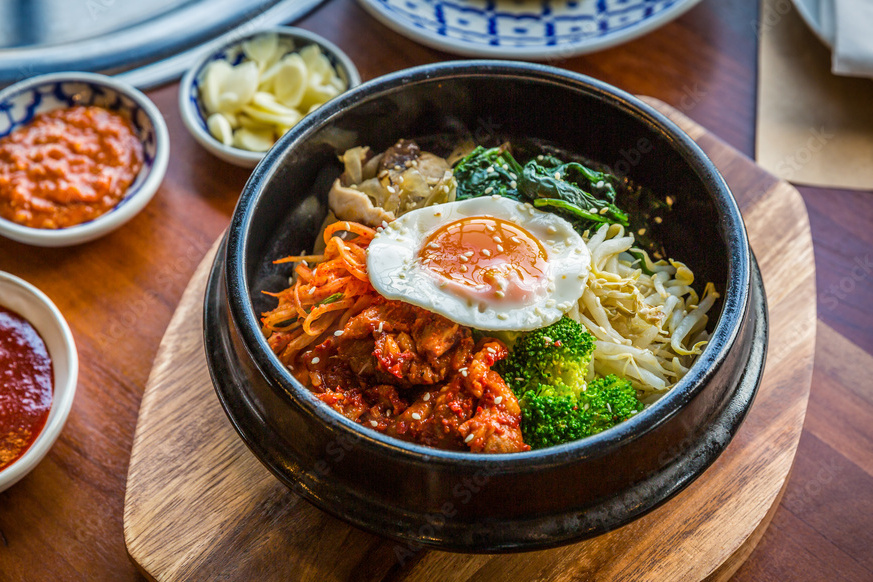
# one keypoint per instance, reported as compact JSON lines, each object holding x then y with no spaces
{"x":39,"y":367}
{"x":80,"y":155}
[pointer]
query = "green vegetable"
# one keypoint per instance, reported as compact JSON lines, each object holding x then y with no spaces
{"x":484,"y":172}
{"x":546,"y":369}
{"x":553,"y":417}
{"x":554,"y":357}
{"x":585,"y":195}
{"x":580,"y":194}
{"x":329,"y":299}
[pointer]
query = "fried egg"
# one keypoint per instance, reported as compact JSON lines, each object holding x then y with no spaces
{"x":490,"y":263}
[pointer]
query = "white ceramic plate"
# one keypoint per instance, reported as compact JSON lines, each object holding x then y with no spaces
{"x":524,"y":29}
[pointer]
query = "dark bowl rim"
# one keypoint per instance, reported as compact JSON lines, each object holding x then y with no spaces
{"x":735,"y":297}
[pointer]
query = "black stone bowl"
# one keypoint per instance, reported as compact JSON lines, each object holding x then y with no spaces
{"x":462,"y":501}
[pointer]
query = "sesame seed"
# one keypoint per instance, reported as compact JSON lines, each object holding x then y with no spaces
{"x":463,"y":259}
{"x":551,"y":230}
{"x":468,"y":254}
{"x":338,"y":332}
{"x":391,"y":189}
{"x":502,"y":316}
{"x":444,"y":284}
{"x":516,"y":240}
{"x":315,"y":360}
{"x":550,"y":302}
{"x":669,"y":200}
{"x":497,"y":239}
{"x":599,"y":184}
{"x":498,"y":400}
{"x":548,"y":340}
{"x":540,"y":157}
{"x":513,"y":176}
{"x":641,"y":231}
{"x":500,"y":294}
{"x":495,"y":197}
{"x":486,"y":252}
{"x":384,"y":224}
{"x":490,"y":228}
{"x":489,"y":189}
{"x":463,"y":372}
{"x":380,"y":326}
{"x":312,"y":290}
{"x":557,"y":175}
{"x":463,"y":268}
{"x":373,"y":423}
{"x":505,"y":166}
{"x":658,"y":220}
{"x":490,"y":169}
{"x":426,"y":396}
{"x":469,"y":437}
{"x":491,"y":350}
{"x":603,"y":210}
{"x":437,"y":214}
{"x":609,"y":407}
{"x":513,"y":184}
{"x":433,"y":246}
{"x":499,"y":248}
{"x":416,"y":416}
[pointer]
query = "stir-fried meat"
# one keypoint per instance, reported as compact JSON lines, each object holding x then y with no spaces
{"x":399,"y":154}
{"x":417,"y":376}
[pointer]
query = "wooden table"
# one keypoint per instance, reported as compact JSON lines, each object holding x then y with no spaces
{"x":64,"y":521}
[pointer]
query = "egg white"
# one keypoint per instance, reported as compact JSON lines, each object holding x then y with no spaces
{"x":396,"y":272}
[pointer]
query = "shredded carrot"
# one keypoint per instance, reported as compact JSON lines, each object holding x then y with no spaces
{"x":328,"y":290}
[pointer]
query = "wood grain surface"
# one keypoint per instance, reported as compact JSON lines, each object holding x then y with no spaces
{"x":64,"y":520}
{"x":199,"y":504}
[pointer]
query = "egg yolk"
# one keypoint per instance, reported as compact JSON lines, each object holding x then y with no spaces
{"x":487,"y":257}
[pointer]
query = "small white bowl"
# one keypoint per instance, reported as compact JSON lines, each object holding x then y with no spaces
{"x":193,"y":111}
{"x":20,"y":102}
{"x":33,"y":305}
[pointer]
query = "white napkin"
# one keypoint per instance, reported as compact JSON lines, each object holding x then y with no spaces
{"x":852,"y":24}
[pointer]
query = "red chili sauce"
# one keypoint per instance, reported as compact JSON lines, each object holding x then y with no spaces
{"x":26,"y":386}
{"x":67,"y":167}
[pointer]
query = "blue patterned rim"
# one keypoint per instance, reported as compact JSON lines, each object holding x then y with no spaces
{"x":524,"y":28}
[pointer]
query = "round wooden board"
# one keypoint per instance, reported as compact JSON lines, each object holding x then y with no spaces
{"x":200,"y":506}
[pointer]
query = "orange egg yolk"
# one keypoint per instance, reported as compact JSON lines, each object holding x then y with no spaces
{"x":487,"y":257}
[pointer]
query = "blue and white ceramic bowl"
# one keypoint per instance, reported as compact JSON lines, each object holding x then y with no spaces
{"x":524,"y":29}
{"x":19,"y":103}
{"x":194,"y":113}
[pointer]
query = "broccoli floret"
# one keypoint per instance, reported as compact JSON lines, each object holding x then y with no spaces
{"x":551,"y":360}
{"x":550,"y":419}
{"x":546,"y":369}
